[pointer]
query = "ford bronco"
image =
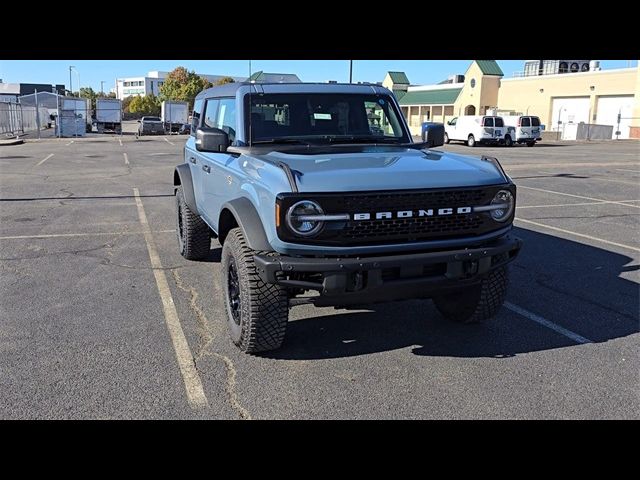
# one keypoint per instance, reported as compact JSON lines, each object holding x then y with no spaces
{"x":318,"y":195}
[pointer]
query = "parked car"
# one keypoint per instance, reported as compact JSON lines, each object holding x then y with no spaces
{"x":311,"y":207}
{"x":525,"y":129}
{"x":150,"y":126}
{"x":185,"y":129}
{"x":475,"y":129}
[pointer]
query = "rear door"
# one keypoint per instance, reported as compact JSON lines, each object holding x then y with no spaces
{"x":525,"y":128}
{"x":500,"y":127}
{"x":536,"y":131}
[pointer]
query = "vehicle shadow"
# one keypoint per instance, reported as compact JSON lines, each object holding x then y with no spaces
{"x":580,"y":279}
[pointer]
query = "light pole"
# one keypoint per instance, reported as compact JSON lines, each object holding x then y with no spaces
{"x":101,"y":87}
{"x":350,"y":71}
{"x":70,"y":83}
{"x":76,"y":70}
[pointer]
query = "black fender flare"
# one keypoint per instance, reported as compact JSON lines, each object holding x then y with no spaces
{"x":248,"y":220}
{"x":182,"y":176}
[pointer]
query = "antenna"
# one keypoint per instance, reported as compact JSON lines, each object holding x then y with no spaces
{"x":250,"y":89}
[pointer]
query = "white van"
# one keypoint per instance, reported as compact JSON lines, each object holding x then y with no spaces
{"x":526,"y":129}
{"x":475,"y":129}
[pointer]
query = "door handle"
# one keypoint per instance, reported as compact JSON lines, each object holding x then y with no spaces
{"x":206,"y":168}
{"x":192,"y":160}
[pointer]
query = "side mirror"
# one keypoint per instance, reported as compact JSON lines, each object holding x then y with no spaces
{"x":434,"y":135}
{"x":210,"y":139}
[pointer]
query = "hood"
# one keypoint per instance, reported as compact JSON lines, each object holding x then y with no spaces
{"x":384,"y":168}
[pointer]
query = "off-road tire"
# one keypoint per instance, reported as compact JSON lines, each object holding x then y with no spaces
{"x":263,"y":308}
{"x":471,"y":141}
{"x":478,"y":303}
{"x":194,"y":239}
{"x":446,"y":139}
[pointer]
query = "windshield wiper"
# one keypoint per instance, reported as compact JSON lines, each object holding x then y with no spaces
{"x":280,"y":140}
{"x":362,"y":139}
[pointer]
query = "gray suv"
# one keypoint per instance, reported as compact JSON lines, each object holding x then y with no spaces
{"x":318,"y":195}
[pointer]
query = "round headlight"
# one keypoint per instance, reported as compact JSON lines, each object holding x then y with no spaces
{"x":504,"y":203}
{"x":298,"y":219}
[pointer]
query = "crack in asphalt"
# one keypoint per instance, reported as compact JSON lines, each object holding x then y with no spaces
{"x":205,"y":340}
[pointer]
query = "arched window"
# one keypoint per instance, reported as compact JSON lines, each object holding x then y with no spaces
{"x":575,"y":67}
{"x":564,"y":67}
{"x":585,"y":67}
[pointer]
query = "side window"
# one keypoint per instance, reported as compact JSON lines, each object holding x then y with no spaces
{"x":210,"y":113}
{"x":453,"y":121}
{"x":195,"y":119}
{"x":488,"y":122}
{"x":526,"y":122}
{"x":226,"y":119}
{"x":535,"y":122}
{"x":499,"y":122}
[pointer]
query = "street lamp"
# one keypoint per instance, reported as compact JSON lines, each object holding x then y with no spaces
{"x":70,"y":82}
{"x":76,"y":70}
{"x":101,"y":87}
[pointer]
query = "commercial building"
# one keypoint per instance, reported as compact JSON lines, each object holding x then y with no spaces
{"x":560,"y":92}
{"x":11,"y":91}
{"x":151,"y":83}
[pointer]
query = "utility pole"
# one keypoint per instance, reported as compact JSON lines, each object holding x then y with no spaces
{"x":70,"y":82}
{"x":350,"y":71}
{"x":101,"y":87}
{"x":37,"y":113}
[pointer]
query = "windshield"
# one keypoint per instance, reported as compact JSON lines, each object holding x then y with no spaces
{"x":329,"y":117}
{"x":151,"y":119}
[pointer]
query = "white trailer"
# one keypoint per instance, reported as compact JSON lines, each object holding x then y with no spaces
{"x":109,"y":115}
{"x":174,"y":114}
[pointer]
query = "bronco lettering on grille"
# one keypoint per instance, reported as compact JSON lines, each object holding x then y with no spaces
{"x":431,"y":212}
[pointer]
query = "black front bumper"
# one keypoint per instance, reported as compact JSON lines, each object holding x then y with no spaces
{"x":346,"y":281}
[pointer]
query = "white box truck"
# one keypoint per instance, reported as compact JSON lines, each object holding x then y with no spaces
{"x":109,"y":115}
{"x":174,"y":114}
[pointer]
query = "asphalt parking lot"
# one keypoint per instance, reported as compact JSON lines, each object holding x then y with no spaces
{"x":84,"y":325}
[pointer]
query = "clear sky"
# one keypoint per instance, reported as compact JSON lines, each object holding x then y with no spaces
{"x":91,"y":72}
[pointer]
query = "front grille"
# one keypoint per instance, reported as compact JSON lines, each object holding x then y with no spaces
{"x":400,"y":230}
{"x":413,"y":228}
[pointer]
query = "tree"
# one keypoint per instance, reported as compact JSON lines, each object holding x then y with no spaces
{"x":126,"y":101}
{"x":224,"y":80}
{"x":147,"y":105}
{"x":183,"y":85}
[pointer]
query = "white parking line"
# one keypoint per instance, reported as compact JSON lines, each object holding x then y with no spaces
{"x":45,"y":159}
{"x":192,"y":382}
{"x":577,"y":204}
{"x":120,"y":140}
{"x":577,"y":196}
{"x":56,"y":235}
{"x":547,"y":323}
{"x":627,"y":170}
{"x":126,"y":158}
{"x":67,"y":144}
{"x":166,"y":140}
{"x":582,"y":235}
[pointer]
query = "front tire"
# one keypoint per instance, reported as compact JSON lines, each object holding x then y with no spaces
{"x":194,"y":240}
{"x":507,"y":141}
{"x":257,"y":312}
{"x":471,"y":141}
{"x":478,"y":303}
{"x":446,"y":139}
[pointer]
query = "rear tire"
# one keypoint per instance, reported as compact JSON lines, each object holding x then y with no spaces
{"x":530,"y":144}
{"x":478,"y":303}
{"x":257,"y":312}
{"x":507,"y":141}
{"x":194,"y":240}
{"x":471,"y":141}
{"x":446,"y":139}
